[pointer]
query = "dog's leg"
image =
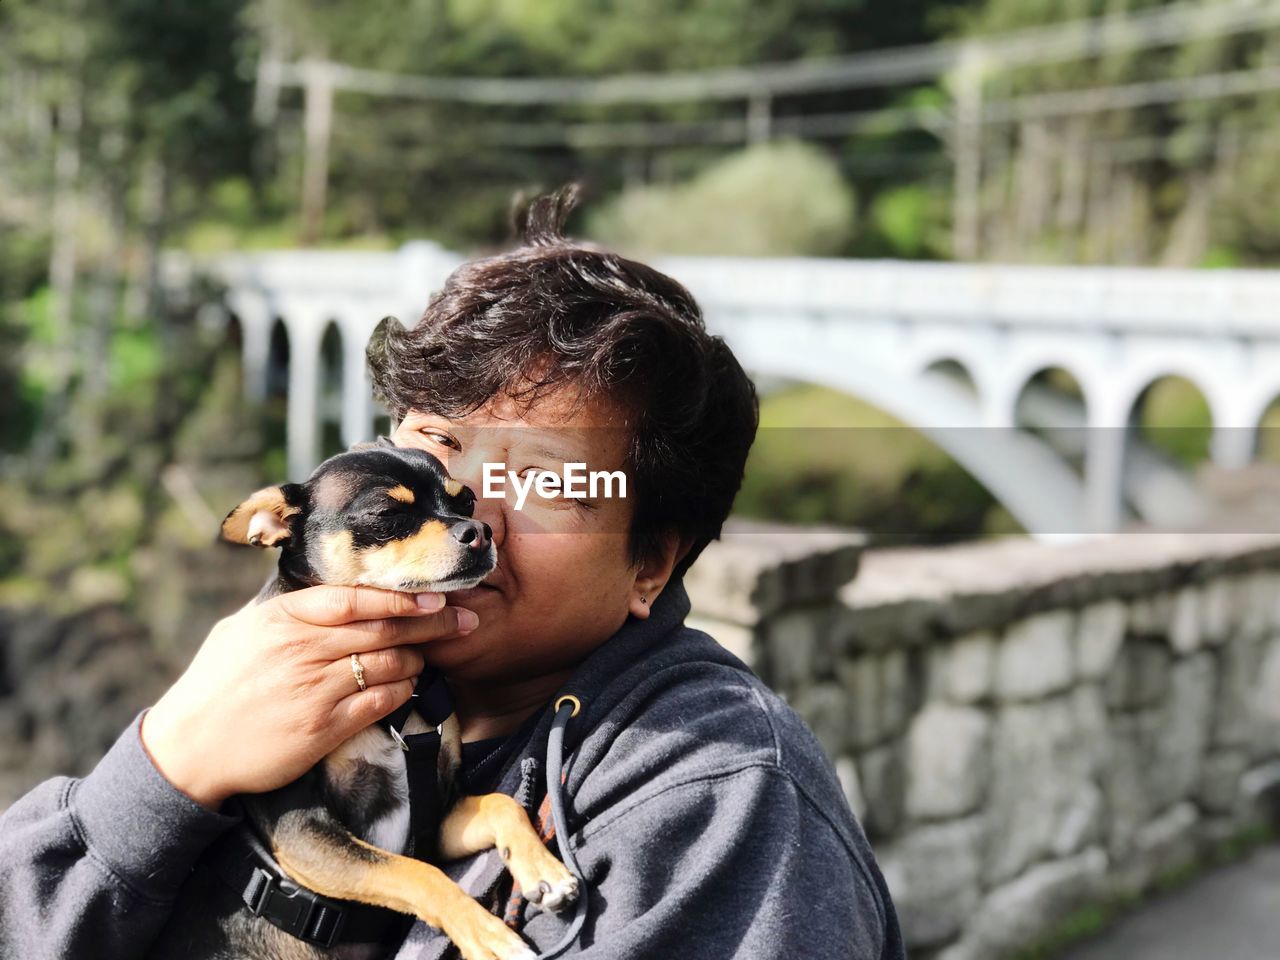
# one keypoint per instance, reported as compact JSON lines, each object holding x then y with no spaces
{"x":318,"y":852}
{"x":496,"y":820}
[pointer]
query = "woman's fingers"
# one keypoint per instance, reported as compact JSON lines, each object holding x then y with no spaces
{"x":363,"y":707}
{"x":363,"y":618}
{"x":379,"y":667}
{"x":364,"y":635}
{"x":272,"y":689}
{"x":327,"y":606}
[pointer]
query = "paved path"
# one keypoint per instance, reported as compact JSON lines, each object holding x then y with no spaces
{"x":1232,"y":914}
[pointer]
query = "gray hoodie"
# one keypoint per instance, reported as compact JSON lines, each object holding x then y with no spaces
{"x":704,"y":816}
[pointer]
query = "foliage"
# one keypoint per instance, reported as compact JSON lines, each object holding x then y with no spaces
{"x":822,"y":456}
{"x":1174,"y":417}
{"x":1188,"y":183}
{"x":775,"y":199}
{"x":911,"y":222}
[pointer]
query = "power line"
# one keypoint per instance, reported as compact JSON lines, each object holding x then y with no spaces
{"x":1075,"y":40}
{"x":1029,"y":107}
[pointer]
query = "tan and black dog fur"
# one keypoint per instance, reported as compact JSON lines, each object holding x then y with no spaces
{"x":388,"y":517}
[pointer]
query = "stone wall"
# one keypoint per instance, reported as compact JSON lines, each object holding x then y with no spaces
{"x":1023,"y":729}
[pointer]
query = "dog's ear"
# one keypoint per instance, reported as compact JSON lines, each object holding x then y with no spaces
{"x":370,"y":444}
{"x":264,"y":519}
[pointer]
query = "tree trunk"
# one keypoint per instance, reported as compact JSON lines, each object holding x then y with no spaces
{"x":153,"y":204}
{"x":62,"y":255}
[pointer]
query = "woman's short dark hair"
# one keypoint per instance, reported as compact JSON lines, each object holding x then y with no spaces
{"x":558,"y":311}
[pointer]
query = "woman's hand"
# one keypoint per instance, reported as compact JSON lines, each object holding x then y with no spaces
{"x":271,"y":690}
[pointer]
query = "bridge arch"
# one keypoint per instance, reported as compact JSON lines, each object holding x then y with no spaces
{"x":1020,"y":471}
{"x":330,"y":393}
{"x":953,"y":371}
{"x":1150,"y":368}
{"x":1022,"y":367}
{"x":1052,"y":398}
{"x":278,"y":360}
{"x":1165,"y":398}
{"x":1264,"y":442}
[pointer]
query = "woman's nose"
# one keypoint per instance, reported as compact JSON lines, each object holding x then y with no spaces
{"x":474,"y":534}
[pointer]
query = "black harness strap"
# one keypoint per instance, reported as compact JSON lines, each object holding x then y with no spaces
{"x":244,"y":863}
{"x":431,"y":701}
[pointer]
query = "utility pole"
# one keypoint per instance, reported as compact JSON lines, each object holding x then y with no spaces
{"x":759,"y":118}
{"x":966,"y":223}
{"x":317,"y":124}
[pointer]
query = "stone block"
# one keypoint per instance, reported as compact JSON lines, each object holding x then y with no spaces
{"x":1255,"y":607}
{"x":1185,"y":630}
{"x":1099,"y":635}
{"x":859,"y":678}
{"x":883,"y":780}
{"x":847,"y":773}
{"x":1262,"y":783}
{"x":1081,"y":822}
{"x":1125,"y":778}
{"x":1217,"y":618}
{"x":897,"y":700}
{"x":1140,"y":677}
{"x":1017,"y":914}
{"x":947,"y":761}
{"x":1219,"y":791}
{"x":1239,"y":663}
{"x":738,"y":640}
{"x":1266,"y":702}
{"x":758,"y":568}
{"x":1035,"y":658}
{"x":933,"y":876}
{"x":1165,"y":845}
{"x":881,"y":696}
{"x":790,"y":645}
{"x":1043,"y":757}
{"x":1187,"y":718}
{"x":825,"y":709}
{"x":1092,"y":721}
{"x":1152,"y":615}
{"x":971,"y":667}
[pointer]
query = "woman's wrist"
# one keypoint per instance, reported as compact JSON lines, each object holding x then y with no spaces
{"x":173,"y":752}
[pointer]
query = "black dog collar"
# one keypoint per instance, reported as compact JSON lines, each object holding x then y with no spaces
{"x":430,"y":700}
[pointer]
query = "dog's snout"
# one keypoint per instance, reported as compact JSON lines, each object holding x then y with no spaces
{"x":473,"y":533}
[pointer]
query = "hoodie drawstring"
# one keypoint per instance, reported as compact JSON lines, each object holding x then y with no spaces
{"x":567,"y":707}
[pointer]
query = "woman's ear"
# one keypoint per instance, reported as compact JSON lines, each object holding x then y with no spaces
{"x":264,"y":520}
{"x":653,"y":574}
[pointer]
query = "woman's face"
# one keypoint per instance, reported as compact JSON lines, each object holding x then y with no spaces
{"x":563,"y":583}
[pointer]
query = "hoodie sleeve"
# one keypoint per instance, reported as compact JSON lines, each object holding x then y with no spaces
{"x":91,"y":867}
{"x":740,"y":864}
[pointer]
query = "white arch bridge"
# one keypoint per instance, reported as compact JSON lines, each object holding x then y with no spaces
{"x":891,"y":333}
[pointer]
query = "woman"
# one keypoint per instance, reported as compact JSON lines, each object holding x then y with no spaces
{"x":703,"y":814}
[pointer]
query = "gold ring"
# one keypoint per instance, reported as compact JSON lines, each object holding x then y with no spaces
{"x":569,"y":698}
{"x":357,"y":669}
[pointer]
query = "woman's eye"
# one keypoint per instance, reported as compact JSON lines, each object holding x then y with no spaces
{"x":441,"y":438}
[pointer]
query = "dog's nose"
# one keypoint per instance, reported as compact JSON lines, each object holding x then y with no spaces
{"x":472,"y":533}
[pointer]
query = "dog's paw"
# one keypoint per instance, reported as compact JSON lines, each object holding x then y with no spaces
{"x":554,"y":894}
{"x":484,"y":937}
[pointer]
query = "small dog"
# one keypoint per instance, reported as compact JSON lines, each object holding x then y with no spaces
{"x":389,"y":517}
